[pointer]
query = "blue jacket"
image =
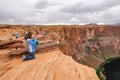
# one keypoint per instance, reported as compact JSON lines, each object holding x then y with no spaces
{"x":30,"y":44}
{"x":35,"y":41}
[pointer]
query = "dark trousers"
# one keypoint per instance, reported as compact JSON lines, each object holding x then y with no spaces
{"x":29,"y":56}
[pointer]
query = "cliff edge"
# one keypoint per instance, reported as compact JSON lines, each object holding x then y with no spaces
{"x":51,"y":65}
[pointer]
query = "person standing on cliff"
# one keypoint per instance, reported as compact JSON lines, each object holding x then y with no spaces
{"x":31,"y":50}
{"x":32,"y":45}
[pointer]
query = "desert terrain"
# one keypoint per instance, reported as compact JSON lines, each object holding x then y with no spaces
{"x":78,"y":55}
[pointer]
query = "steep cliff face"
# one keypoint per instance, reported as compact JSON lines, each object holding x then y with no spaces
{"x":91,"y":45}
{"x":51,"y":65}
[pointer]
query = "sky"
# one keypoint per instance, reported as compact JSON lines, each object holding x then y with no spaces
{"x":59,"y":11}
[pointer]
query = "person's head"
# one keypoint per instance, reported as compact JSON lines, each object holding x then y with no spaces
{"x":30,"y":37}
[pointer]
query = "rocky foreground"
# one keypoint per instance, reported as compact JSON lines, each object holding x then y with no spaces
{"x":50,"y":65}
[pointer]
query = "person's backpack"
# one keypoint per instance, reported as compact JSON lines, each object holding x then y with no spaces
{"x":36,"y":44}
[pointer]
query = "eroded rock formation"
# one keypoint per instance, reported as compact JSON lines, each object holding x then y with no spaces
{"x":91,"y":45}
{"x":88,"y":45}
{"x":52,"y":65}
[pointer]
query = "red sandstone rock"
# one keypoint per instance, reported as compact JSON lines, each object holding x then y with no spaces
{"x":52,"y":65}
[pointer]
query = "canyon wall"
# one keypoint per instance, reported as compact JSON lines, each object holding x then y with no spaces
{"x":91,"y":45}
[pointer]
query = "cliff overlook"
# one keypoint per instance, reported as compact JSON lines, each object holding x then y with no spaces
{"x":82,"y":49}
